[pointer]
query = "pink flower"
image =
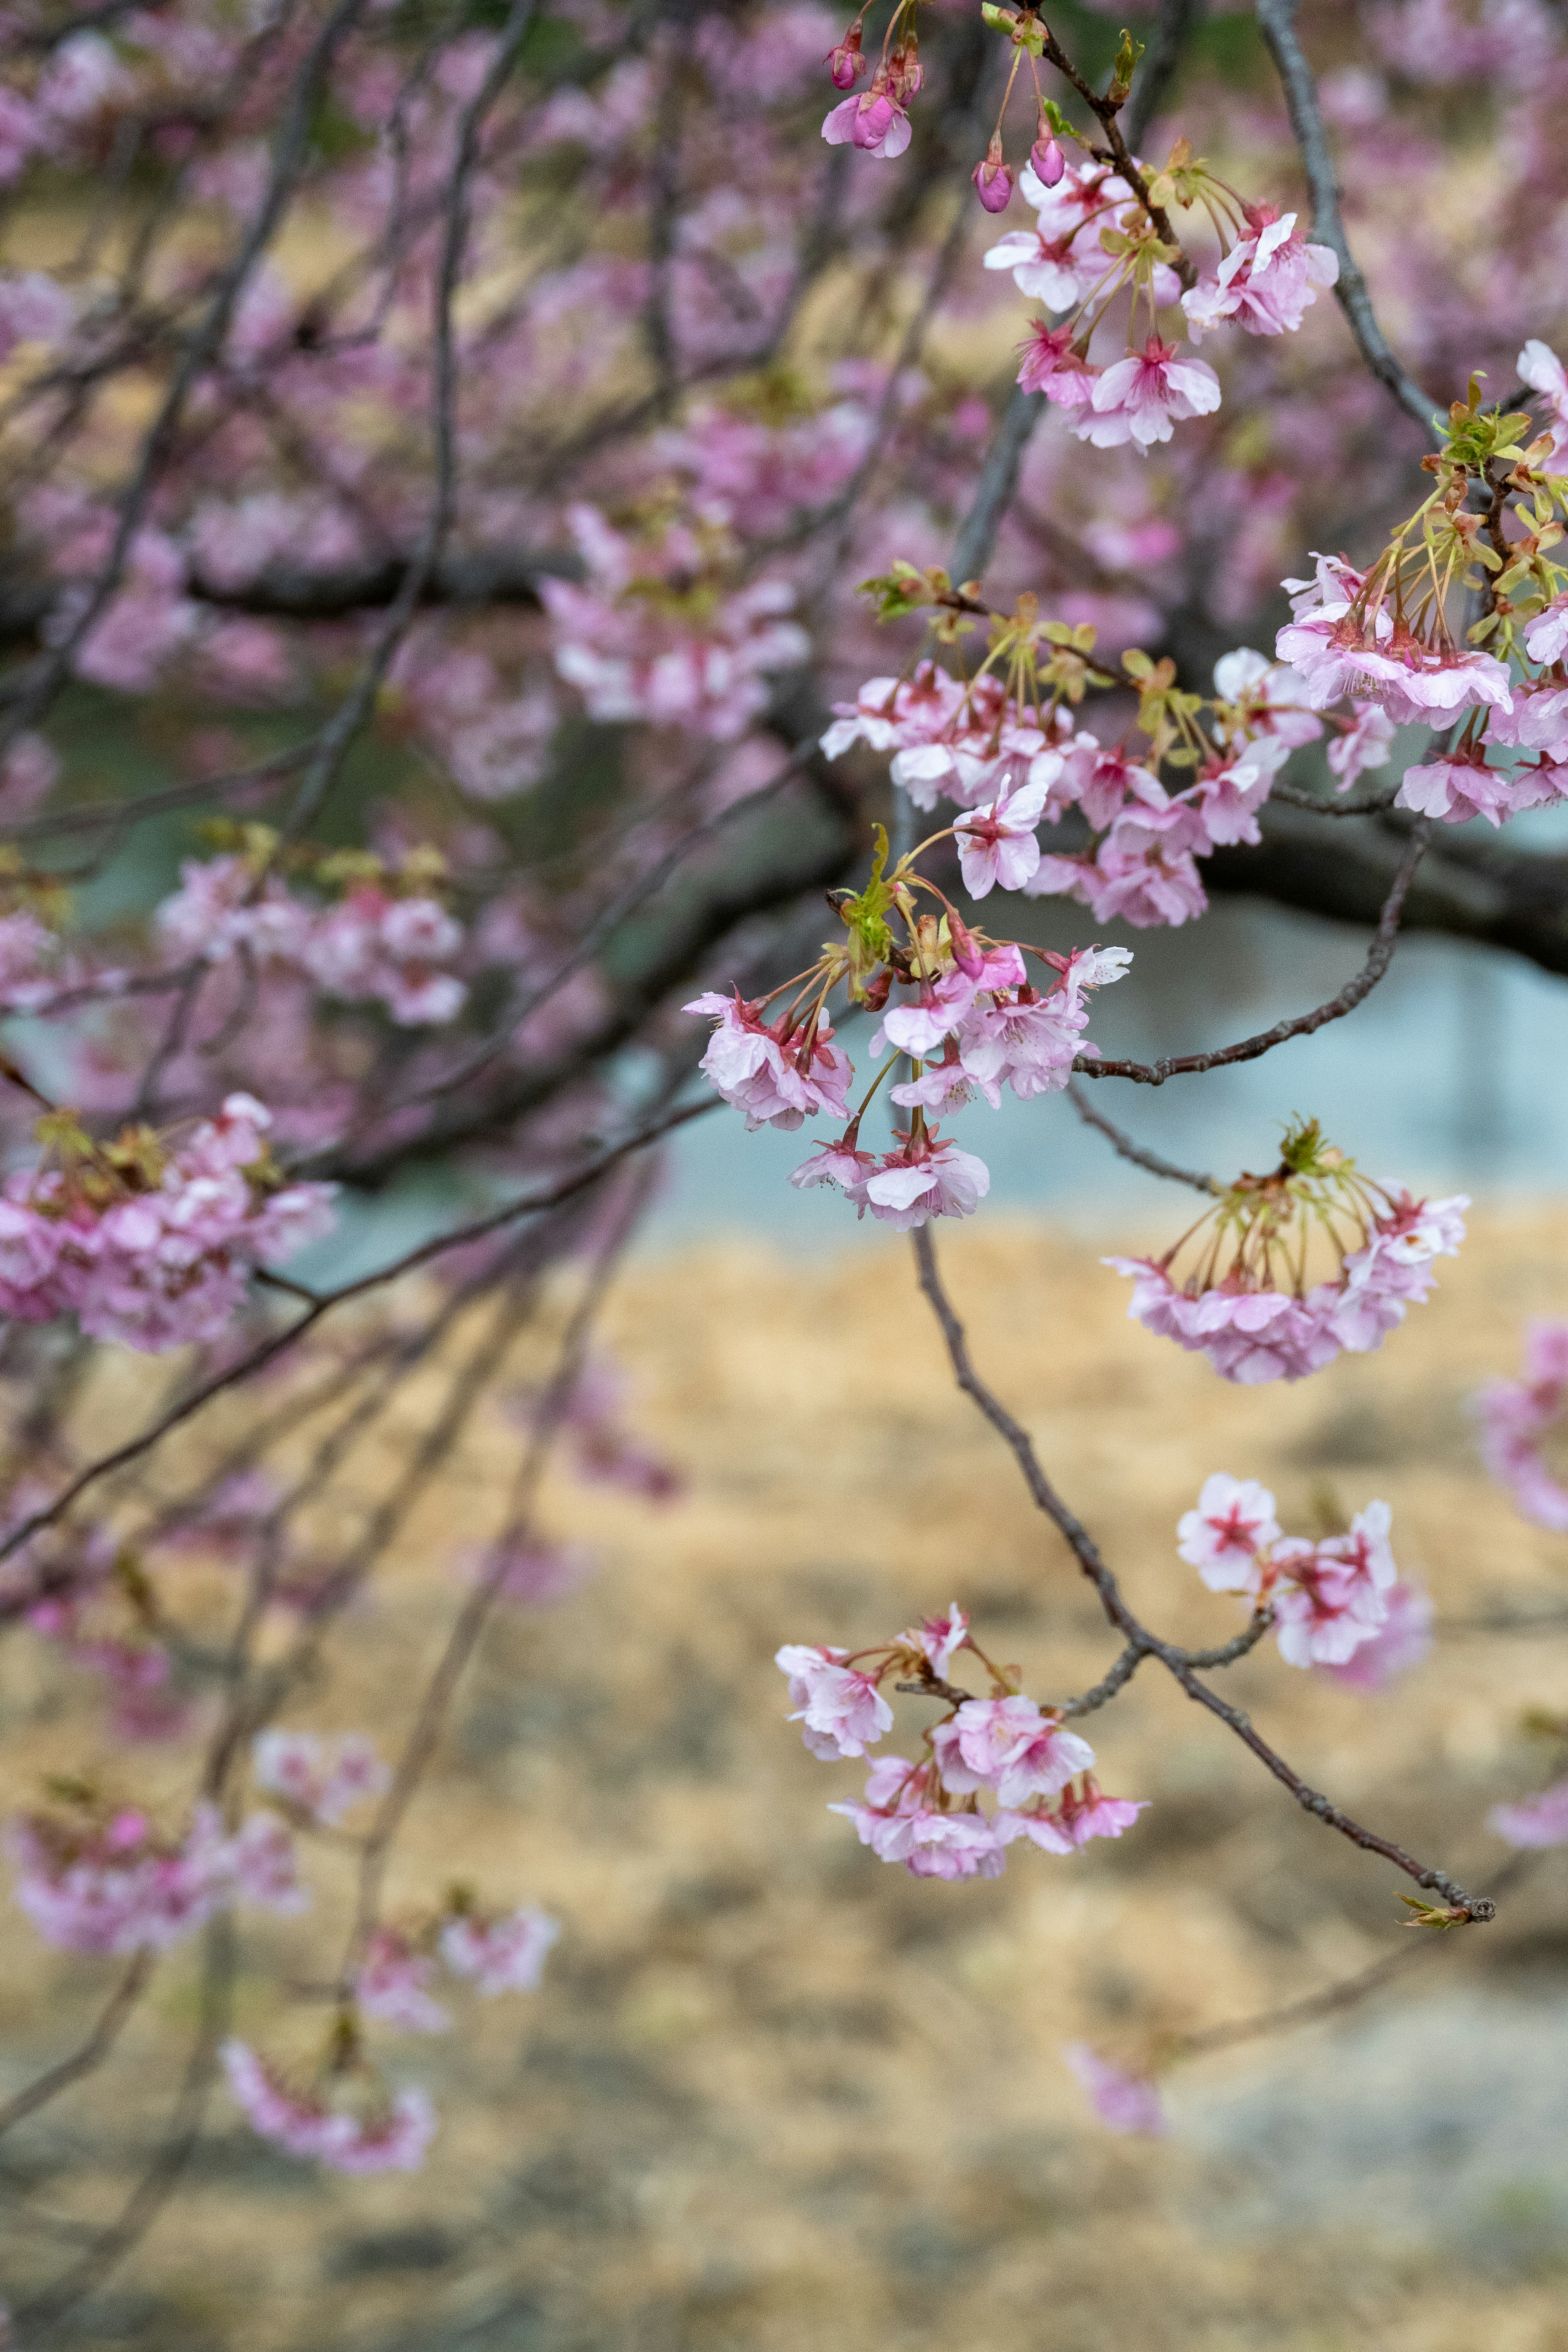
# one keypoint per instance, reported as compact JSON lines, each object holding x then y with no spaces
{"x":1041,"y":1829}
{"x":391,"y":1986}
{"x":1138,"y":399}
{"x":1516,"y":1415}
{"x":505,"y":1955}
{"x":1222,"y":1539}
{"x":1535,"y":1822}
{"x":1051,"y":364}
{"x":992,"y":184}
{"x":1092,"y":1815}
{"x":1055,"y":270}
{"x":1143,"y":872}
{"x":536,"y":1572}
{"x":1265,"y":698}
{"x":1252,"y":1336}
{"x":1539,"y":367}
{"x":1026,"y":1041}
{"x":325,"y":1779}
{"x":996,"y":844}
{"x":929,"y":1179}
{"x":1365,"y":744}
{"x":842,"y":1711}
{"x":929,"y":1845}
{"x":1103,"y":782}
{"x":1546,"y":636}
{"x":1225,"y":799}
{"x":1266,"y":282}
{"x":1123,"y":2102}
{"x":1332,"y":1598}
{"x":776,"y":1082}
{"x":1007,"y":1745}
{"x":1457,"y":788}
{"x":919,"y":1029}
{"x":391,"y":2138}
{"x":1048,"y":163}
{"x":941,"y":1638}
{"x":1537,"y":721}
{"x":836,"y":1164}
{"x":267,"y":1867}
{"x":1401,"y":1642}
{"x":845,"y":61}
{"x":873,"y":121}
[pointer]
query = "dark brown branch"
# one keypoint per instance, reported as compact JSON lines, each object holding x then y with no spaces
{"x":1301,"y":1025}
{"x":1126,"y":1149}
{"x":1177,"y":1661}
{"x":1277,"y":22}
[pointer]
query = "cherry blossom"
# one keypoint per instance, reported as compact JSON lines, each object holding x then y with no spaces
{"x":1143,"y":872}
{"x":1053,"y":364}
{"x":323,"y":1779}
{"x":1535,"y":1822}
{"x":941,"y":1638}
{"x":1460,"y":785}
{"x":1365,"y":743}
{"x":1138,"y":399}
{"x":1330,"y":1597}
{"x":928,"y":1177}
{"x":777,"y":1080}
{"x":874,"y":121}
{"x":1266,"y":282}
{"x":504,"y":1955}
{"x":1401,"y":1642}
{"x":1537,"y":721}
{"x":1233,"y":1523}
{"x":1518,"y":1417}
{"x":841,"y":1710}
{"x":1123,"y":2102}
{"x":1252,"y":1331}
{"x":1008,"y":1745}
{"x":996,"y":844}
{"x":392,"y":2135}
{"x":392,"y":1985}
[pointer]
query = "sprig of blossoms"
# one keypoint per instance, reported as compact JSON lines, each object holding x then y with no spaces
{"x":1331,"y":1601}
{"x":1287,"y":1270}
{"x":1390,"y":638}
{"x":100,"y":1879}
{"x":1012,"y":724}
{"x":925,"y":1812}
{"x":146,"y":1244}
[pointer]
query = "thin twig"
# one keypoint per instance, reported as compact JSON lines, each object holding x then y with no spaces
{"x":1126,"y":1149}
{"x":1302,"y":1024}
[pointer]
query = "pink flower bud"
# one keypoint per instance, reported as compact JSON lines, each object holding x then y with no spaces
{"x":965,"y":954}
{"x":846,"y":63}
{"x":992,"y":184}
{"x":905,"y":72}
{"x":1048,"y":161}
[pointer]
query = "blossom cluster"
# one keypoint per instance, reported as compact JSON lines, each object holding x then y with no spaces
{"x":1247,"y":1302}
{"x":1335,"y":1603}
{"x":112,"y":1882}
{"x":925,"y":1812}
{"x":968,"y":739}
{"x":149,"y":1247}
{"x":371,"y":946}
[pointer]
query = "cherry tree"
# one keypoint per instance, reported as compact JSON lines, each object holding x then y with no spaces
{"x":508,"y":509}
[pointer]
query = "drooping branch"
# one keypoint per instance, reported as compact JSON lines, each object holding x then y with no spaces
{"x":1177,"y":1662}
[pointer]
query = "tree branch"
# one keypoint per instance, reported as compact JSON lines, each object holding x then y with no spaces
{"x":1177,"y":1662}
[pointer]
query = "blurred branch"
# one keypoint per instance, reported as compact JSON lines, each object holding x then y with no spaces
{"x":1277,"y":21}
{"x":82,"y":2061}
